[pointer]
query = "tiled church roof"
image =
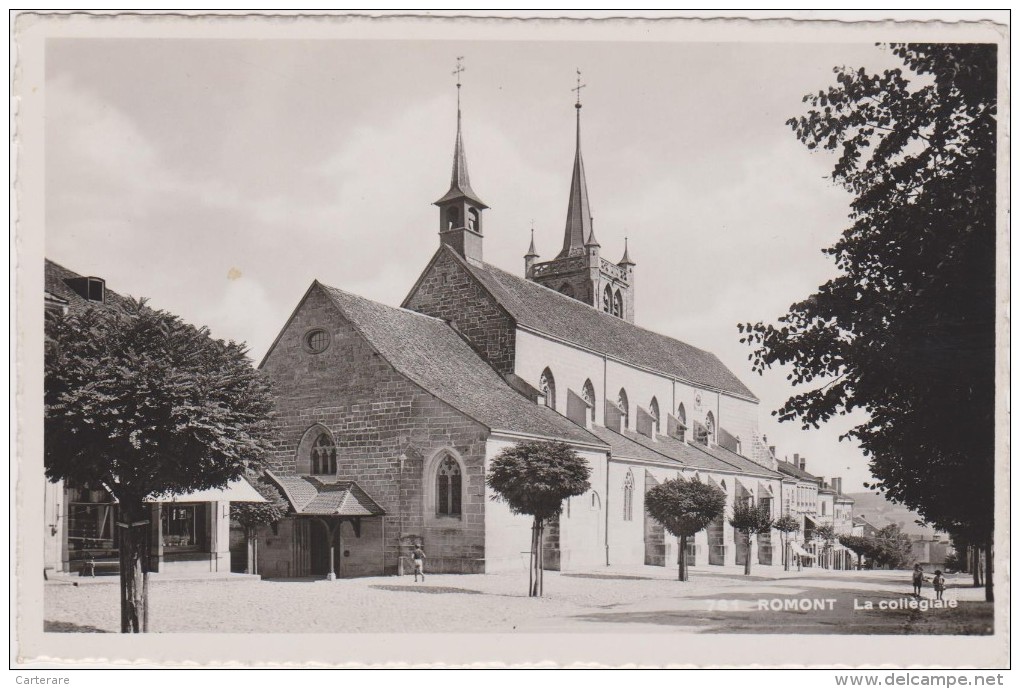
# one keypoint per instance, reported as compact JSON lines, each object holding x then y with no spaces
{"x":432,"y":355}
{"x":631,"y":445}
{"x":545,"y":310}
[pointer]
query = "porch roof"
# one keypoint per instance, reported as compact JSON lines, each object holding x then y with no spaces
{"x":308,"y":495}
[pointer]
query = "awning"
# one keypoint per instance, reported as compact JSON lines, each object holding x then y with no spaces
{"x":238,"y":490}
{"x":742,"y":491}
{"x":764,"y":490}
{"x":797,"y":550}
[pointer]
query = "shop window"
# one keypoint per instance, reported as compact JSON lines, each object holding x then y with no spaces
{"x":91,"y":524}
{"x":183,"y":526}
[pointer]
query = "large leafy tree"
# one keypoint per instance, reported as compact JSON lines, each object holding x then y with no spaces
{"x":684,"y":507}
{"x":859,"y":545}
{"x":906,"y":331}
{"x":143,"y":405}
{"x":534,"y":477}
{"x":751,"y":520}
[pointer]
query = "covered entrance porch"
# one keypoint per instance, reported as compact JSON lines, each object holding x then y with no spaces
{"x":335,"y":530}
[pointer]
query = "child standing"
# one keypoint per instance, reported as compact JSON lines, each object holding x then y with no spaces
{"x":939,"y":582}
{"x":918,"y":580}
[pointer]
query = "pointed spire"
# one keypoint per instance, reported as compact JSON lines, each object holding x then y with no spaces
{"x":625,"y":261}
{"x":460,"y":182}
{"x":578,"y":226}
{"x":591,"y":241}
{"x":531,"y":249}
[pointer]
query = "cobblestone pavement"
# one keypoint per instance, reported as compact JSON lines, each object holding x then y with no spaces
{"x":612,"y":599}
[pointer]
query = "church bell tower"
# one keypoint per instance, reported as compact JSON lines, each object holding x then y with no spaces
{"x":579,"y":270}
{"x":460,"y":209}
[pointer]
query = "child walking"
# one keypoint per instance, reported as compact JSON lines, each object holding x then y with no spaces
{"x":418,"y":558}
{"x":939,"y":582}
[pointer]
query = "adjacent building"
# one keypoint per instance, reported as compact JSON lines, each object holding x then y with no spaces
{"x":189,"y":533}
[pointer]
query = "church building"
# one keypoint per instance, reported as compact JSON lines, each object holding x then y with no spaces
{"x":388,"y":417}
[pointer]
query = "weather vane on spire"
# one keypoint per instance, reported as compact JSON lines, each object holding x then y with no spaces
{"x":457,"y":72}
{"x":578,"y":89}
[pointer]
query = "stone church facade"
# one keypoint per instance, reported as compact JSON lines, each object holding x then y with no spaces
{"x":389,"y":417}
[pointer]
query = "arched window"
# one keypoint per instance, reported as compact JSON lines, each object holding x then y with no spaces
{"x":452,"y":218}
{"x":547,"y":385}
{"x":624,"y":405}
{"x":588,"y":395}
{"x":473,"y":223}
{"x":710,"y":427}
{"x":653,"y":410}
{"x":618,"y":305}
{"x":681,"y":414}
{"x":628,"y":496}
{"x":324,"y":456}
{"x":567,"y":290}
{"x":596,"y":502}
{"x":607,"y":300}
{"x":448,"y":487}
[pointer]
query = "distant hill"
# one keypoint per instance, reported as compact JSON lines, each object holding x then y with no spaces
{"x":880,"y":512}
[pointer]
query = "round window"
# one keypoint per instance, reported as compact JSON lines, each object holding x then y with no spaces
{"x":316,"y":340}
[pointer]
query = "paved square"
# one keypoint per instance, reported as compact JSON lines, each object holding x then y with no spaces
{"x":632,"y":599}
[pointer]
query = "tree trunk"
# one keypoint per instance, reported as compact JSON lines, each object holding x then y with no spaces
{"x":532,"y":557}
{"x":975,"y":554}
{"x":989,"y":594}
{"x":541,"y":557}
{"x":134,"y":568}
{"x":786,"y":552}
{"x":682,"y":574}
{"x":747,"y":556}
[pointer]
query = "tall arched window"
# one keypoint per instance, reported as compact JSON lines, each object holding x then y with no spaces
{"x":324,"y":455}
{"x":547,"y":385}
{"x":448,"y":487}
{"x":618,"y":305}
{"x":710,"y":427}
{"x":624,"y":405}
{"x":653,"y":411}
{"x":607,"y":300}
{"x":628,"y":496}
{"x":681,"y":415}
{"x":588,"y":395}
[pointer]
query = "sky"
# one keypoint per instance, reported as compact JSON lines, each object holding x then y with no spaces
{"x":218,"y":178}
